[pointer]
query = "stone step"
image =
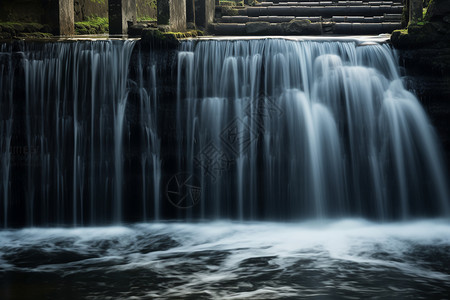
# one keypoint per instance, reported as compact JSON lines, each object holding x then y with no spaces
{"x":330,"y":3}
{"x":393,"y":17}
{"x":270,"y":19}
{"x":327,"y":12}
{"x":336,"y":19}
{"x":365,"y":28}
{"x":264,"y":28}
{"x":360,"y":19}
{"x":334,"y":1}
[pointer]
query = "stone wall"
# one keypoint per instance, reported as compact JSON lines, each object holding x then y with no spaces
{"x":423,"y":51}
{"x":204,"y":13}
{"x":122,"y":14}
{"x":58,"y":14}
{"x":89,"y":8}
{"x":30,"y":11}
{"x":173,"y":14}
{"x":99,"y":8}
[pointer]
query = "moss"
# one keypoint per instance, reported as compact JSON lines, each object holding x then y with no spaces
{"x":36,"y":35}
{"x":428,"y":35}
{"x":156,"y":39}
{"x":228,"y":11}
{"x":11,"y":30}
{"x":401,"y":31}
{"x":94,"y":25}
{"x":231,"y":2}
{"x":183,"y":35}
{"x":427,"y":11}
{"x":146,"y":19}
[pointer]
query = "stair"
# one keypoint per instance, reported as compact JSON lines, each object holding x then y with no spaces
{"x":303,"y":17}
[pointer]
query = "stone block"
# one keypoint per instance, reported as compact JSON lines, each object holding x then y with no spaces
{"x":172,"y":13}
{"x":122,"y":14}
{"x":59,"y":15}
{"x":204,"y":12}
{"x":190,"y":11}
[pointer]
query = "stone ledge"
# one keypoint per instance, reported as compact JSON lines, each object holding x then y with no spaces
{"x":294,"y":27}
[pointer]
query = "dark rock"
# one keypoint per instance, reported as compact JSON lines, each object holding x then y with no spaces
{"x":257,"y":28}
{"x":433,"y":35}
{"x":227,"y":29}
{"x":437,"y":10}
{"x":136,"y":30}
{"x":190,"y":25}
{"x":301,"y":27}
{"x":163,"y":28}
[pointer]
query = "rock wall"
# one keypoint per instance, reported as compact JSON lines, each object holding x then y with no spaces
{"x":89,"y":8}
{"x":99,"y":8}
{"x":424,"y":52}
{"x":29,"y":11}
{"x":173,"y":14}
{"x":204,"y":13}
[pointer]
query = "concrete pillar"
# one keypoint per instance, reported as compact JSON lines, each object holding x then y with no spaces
{"x":204,"y":12}
{"x":59,"y":14}
{"x":172,"y":13}
{"x":190,"y":11}
{"x":415,"y":11}
{"x":122,"y":14}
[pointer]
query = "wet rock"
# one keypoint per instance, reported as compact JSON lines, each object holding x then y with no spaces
{"x":301,"y":27}
{"x":437,"y":10}
{"x":136,"y":30}
{"x":190,"y":25}
{"x":431,"y":35}
{"x":257,"y":28}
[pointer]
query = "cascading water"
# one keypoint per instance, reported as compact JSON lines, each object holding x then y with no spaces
{"x":6,"y":121}
{"x":71,"y":129}
{"x":280,"y":129}
{"x":266,"y":129}
{"x":100,"y":132}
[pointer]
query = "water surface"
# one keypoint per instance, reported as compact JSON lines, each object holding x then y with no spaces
{"x":350,"y":258}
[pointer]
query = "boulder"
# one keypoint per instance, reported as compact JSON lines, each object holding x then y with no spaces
{"x":302,"y":27}
{"x":257,"y":28}
{"x":437,"y":10}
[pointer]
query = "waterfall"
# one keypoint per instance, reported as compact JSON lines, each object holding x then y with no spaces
{"x":282,"y":129}
{"x":6,"y":122}
{"x":101,"y":132}
{"x":71,"y":127}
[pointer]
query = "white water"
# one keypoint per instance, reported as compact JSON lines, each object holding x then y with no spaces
{"x":223,"y":260}
{"x":270,"y":129}
{"x":71,"y":128}
{"x":317,"y":129}
{"x":326,"y":129}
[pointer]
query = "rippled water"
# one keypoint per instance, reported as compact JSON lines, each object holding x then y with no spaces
{"x":226,"y":260}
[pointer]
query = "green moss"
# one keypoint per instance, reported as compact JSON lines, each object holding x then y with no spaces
{"x":183,"y":35}
{"x":21,"y":27}
{"x":228,"y":11}
{"x":94,"y":25}
{"x":231,"y":2}
{"x":402,"y":31}
{"x":15,"y":29}
{"x":428,"y":11}
{"x":157,"y":38}
{"x":143,"y":8}
{"x":146,"y":19}
{"x":36,"y":35}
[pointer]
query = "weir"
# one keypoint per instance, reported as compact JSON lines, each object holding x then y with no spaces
{"x":104,"y":132}
{"x":275,"y":159}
